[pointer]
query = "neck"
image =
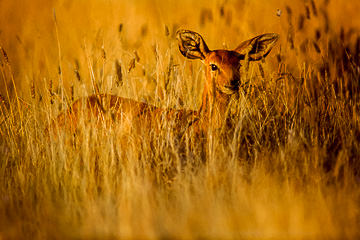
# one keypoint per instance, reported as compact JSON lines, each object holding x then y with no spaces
{"x":213,"y":108}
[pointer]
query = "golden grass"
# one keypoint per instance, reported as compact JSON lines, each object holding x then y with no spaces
{"x":288,"y":168}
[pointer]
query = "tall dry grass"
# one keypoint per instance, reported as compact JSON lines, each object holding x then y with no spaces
{"x":288,"y":167}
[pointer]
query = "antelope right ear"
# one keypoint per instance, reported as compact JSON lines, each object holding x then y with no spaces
{"x":258,"y":47}
{"x":192,"y":45}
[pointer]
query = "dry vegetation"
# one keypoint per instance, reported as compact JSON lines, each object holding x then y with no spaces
{"x":288,"y":168}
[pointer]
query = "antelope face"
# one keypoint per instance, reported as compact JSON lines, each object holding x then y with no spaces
{"x":222,"y":66}
{"x":222,"y":71}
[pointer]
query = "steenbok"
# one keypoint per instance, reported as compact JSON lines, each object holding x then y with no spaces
{"x":222,"y":81}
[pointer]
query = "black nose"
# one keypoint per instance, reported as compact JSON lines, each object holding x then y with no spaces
{"x":231,"y":88}
{"x":235,"y":82}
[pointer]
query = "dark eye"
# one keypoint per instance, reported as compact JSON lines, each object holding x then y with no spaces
{"x":214,"y":67}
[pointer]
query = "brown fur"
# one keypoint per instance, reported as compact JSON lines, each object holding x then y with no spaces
{"x":221,"y":83}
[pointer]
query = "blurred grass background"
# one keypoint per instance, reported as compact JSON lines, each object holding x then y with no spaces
{"x":289,"y":170}
{"x":28,"y":32}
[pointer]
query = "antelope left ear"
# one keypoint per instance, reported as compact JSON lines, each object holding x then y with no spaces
{"x":258,"y":47}
{"x":192,"y":45}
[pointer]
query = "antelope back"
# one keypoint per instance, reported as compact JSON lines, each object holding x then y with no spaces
{"x":104,"y":109}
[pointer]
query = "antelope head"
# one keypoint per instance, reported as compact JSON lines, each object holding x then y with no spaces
{"x":223,"y":66}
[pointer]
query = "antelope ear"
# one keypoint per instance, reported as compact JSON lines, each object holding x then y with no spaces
{"x":258,"y":47}
{"x":192,"y":45}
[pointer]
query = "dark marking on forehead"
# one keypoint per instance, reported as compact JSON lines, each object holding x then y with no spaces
{"x":231,"y":57}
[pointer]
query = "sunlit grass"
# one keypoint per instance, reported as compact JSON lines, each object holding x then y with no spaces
{"x":288,"y":167}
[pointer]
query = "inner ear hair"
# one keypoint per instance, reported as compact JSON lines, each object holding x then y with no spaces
{"x":192,"y":45}
{"x":258,"y":47}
